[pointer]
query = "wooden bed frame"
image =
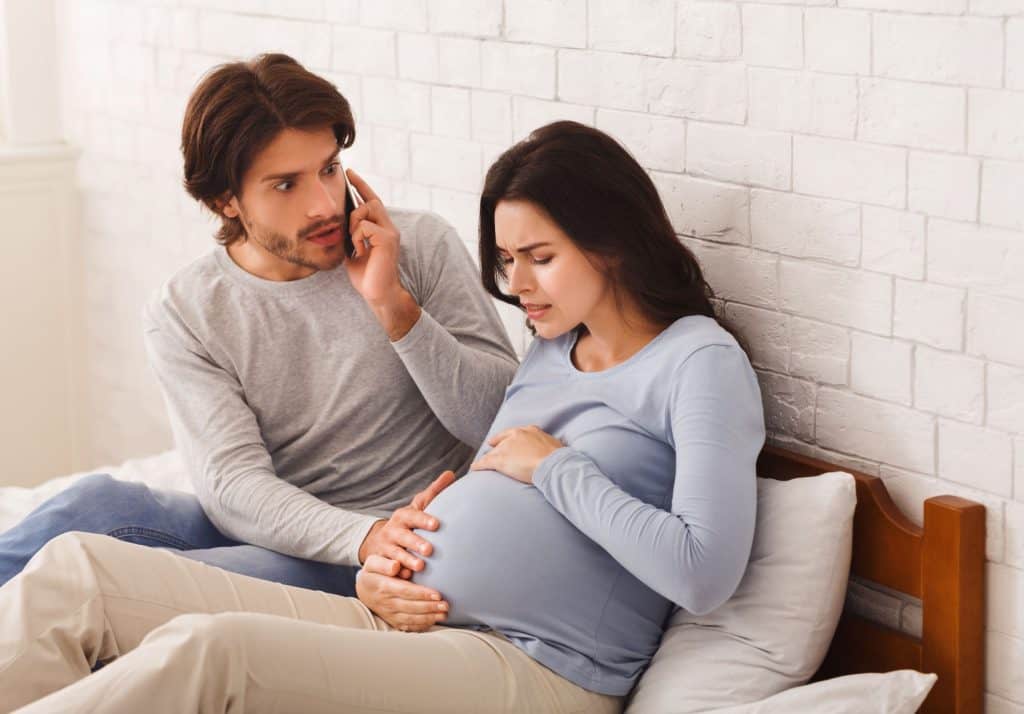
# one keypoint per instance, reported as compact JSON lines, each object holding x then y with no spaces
{"x":941,"y":563}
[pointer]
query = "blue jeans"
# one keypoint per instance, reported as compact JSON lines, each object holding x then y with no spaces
{"x":135,"y":513}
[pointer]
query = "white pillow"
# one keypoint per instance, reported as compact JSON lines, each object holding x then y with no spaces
{"x":773,"y":633}
{"x":899,"y":692}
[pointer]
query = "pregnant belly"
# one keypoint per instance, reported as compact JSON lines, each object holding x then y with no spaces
{"x":504,"y":557}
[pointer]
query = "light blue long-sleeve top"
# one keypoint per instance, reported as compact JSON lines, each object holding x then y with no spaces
{"x":650,"y":504}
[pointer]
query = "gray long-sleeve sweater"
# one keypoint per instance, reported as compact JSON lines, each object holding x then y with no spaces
{"x":299,"y":421}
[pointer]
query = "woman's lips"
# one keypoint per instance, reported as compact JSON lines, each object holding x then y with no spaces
{"x":327,"y":238}
{"x":535,"y":312}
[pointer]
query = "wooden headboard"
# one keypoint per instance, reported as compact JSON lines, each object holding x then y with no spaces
{"x":941,"y":563}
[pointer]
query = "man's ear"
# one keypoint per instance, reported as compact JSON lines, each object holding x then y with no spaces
{"x":227,"y":205}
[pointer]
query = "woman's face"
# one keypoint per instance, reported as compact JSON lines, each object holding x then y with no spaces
{"x":553,"y":279}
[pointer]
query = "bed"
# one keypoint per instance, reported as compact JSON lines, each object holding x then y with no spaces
{"x":940,"y":563}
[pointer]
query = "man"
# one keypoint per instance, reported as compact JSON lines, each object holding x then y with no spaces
{"x":311,"y":393}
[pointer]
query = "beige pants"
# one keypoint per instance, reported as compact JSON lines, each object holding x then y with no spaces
{"x":182,"y":636}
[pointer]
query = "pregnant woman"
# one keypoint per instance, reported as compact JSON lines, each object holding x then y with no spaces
{"x":617,"y":482}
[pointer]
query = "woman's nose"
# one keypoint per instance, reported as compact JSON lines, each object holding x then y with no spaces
{"x":517,"y":279}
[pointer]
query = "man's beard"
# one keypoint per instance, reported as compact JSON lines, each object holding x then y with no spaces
{"x":290,"y":249}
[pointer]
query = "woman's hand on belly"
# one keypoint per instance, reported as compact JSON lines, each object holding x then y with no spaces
{"x":404,"y":605}
{"x":517,"y":452}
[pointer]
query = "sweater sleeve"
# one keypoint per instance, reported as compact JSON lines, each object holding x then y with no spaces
{"x":695,"y":554}
{"x":458,"y":352}
{"x":232,"y":471}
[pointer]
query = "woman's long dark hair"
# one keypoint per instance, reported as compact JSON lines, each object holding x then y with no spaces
{"x":608,"y":206}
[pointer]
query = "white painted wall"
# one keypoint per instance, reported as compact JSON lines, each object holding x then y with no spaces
{"x":38,"y":428}
{"x":851,"y":176}
{"x":28,"y":73}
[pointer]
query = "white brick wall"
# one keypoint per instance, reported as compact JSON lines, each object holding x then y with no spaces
{"x":805,"y":227}
{"x":837,"y":41}
{"x":1018,"y":476}
{"x":704,"y":209}
{"x":852,"y":171}
{"x":773,"y":35}
{"x":893,"y":242}
{"x":976,"y":456}
{"x":1001,"y":182}
{"x":881,"y":367}
{"x":949,"y":384}
{"x":930,"y":314}
{"x":819,"y":351}
{"x":624,"y":27}
{"x":910,"y":114}
{"x":824,"y":104}
{"x":709,"y":30}
{"x":838,"y":295}
{"x":849,"y":173}
{"x":739,"y":155}
{"x":946,"y":186}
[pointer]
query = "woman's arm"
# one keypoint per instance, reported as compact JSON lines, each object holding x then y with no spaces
{"x":696,"y":554}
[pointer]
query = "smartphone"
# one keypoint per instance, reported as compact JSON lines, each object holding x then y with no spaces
{"x":352,"y":199}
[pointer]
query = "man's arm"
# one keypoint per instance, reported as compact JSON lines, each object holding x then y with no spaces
{"x":234,"y":478}
{"x":449,"y":336}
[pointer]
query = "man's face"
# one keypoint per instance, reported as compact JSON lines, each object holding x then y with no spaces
{"x":292,"y":206}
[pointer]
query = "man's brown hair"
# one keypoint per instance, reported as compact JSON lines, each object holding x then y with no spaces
{"x":237,"y":109}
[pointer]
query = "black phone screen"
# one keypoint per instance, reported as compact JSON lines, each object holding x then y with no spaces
{"x":350,"y":249}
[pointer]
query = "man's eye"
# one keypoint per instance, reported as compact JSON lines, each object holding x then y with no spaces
{"x":283,"y":187}
{"x":332,"y":169}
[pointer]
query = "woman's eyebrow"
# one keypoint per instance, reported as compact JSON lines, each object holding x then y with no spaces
{"x":526,"y":248}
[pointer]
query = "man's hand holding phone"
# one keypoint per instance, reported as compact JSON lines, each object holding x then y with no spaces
{"x":373,"y":269}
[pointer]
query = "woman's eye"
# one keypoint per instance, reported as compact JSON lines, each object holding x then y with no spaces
{"x":542,"y":261}
{"x":283,"y":187}
{"x":332,"y":169}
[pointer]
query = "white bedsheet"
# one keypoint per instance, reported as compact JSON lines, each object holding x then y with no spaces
{"x":160,"y":471}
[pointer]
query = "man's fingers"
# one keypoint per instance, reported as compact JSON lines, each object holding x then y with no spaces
{"x":405,"y":590}
{"x":362,"y":187}
{"x":424,"y":497}
{"x":406,"y":558}
{"x":413,"y":615}
{"x":413,"y":543}
{"x":382,"y":566}
{"x":364,"y":231}
{"x":402,"y":606}
{"x":358,"y":214}
{"x":412,"y":518}
{"x":415,"y":623}
{"x":440,"y":483}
